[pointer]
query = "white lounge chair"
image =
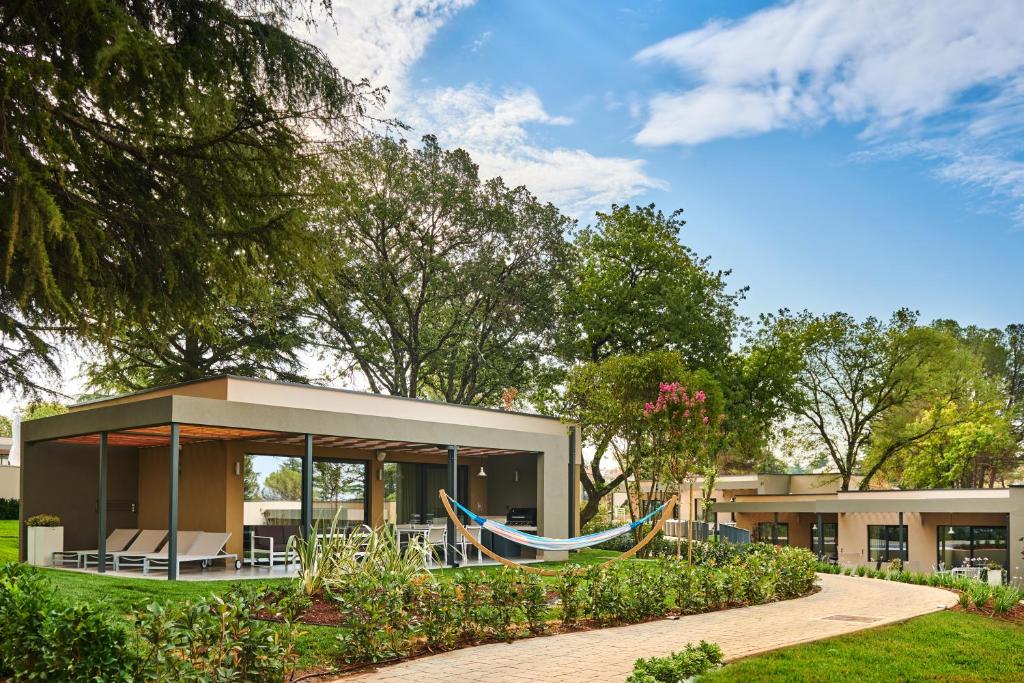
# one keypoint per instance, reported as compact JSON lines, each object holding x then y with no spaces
{"x":149,"y":541}
{"x":205,"y":549}
{"x":118,"y":540}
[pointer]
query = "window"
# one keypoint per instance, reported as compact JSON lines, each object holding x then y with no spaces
{"x":410,"y":492}
{"x":831,"y":534}
{"x":763,"y":533}
{"x":959,"y":543}
{"x":884,"y":543}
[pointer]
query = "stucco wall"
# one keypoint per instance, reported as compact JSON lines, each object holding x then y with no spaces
{"x":63,"y":479}
{"x":10,"y":481}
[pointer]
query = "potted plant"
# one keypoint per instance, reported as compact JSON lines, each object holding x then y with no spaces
{"x":45,"y":537}
{"x":995,"y":574}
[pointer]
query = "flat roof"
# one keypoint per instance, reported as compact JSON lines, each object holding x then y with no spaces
{"x":170,"y":388}
{"x":918,"y":500}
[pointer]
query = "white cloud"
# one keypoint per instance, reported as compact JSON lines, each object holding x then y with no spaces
{"x":380,"y":40}
{"x":383,"y":40}
{"x":493,"y":129}
{"x":947,"y":75}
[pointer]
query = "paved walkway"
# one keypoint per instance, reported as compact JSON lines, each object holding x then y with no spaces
{"x":844,"y":604}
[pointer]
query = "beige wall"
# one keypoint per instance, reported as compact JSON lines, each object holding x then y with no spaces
{"x":799,"y":524}
{"x":10,"y":481}
{"x":213,"y":388}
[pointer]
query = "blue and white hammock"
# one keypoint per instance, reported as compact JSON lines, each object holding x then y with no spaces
{"x":545,"y":543}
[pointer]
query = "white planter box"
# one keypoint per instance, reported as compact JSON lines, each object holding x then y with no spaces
{"x":43,"y":542}
{"x":995,"y":577}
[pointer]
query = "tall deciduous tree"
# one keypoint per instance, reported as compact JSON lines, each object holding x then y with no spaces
{"x":444,"y":285}
{"x":284,"y":483}
{"x":634,"y":288}
{"x":856,"y":375}
{"x":150,"y":150}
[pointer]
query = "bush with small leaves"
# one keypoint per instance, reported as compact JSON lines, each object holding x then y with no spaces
{"x":678,"y":666}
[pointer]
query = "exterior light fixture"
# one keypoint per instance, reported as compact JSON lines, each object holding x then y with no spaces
{"x":515,"y":476}
{"x":381,"y":455}
{"x":238,"y":469}
{"x":481,"y":473}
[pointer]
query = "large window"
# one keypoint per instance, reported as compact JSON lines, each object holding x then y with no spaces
{"x":884,"y":543}
{"x":411,"y":492}
{"x":763,"y":533}
{"x":831,"y":533}
{"x":273,"y":490}
{"x":959,"y":543}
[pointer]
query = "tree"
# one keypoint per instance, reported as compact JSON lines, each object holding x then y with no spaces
{"x":686,"y":427}
{"x":37,"y":409}
{"x":635,"y":288}
{"x":6,"y":428}
{"x":607,"y":399}
{"x":853,"y":376}
{"x":151,"y":151}
{"x":256,"y":331}
{"x":444,"y":285}
{"x":251,"y":480}
{"x":284,"y":483}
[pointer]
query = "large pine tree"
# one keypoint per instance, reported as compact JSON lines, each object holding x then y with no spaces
{"x":149,"y":151}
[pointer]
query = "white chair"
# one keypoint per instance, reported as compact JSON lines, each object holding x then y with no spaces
{"x":205,"y":549}
{"x":146,"y":542}
{"x":463,"y":545}
{"x":435,"y":536}
{"x":117,"y":541}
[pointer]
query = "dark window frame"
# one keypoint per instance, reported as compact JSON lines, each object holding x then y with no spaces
{"x":779,"y":534}
{"x":340,"y":461}
{"x":940,"y":539}
{"x":835,"y":538}
{"x":890,"y":540}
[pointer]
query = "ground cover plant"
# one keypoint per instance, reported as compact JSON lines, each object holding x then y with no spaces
{"x":694,"y":660}
{"x":945,"y":646}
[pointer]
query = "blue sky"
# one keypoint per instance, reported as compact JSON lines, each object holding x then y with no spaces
{"x":834,"y":155}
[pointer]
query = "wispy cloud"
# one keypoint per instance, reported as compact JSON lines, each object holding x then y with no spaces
{"x":383,"y":40}
{"x":946,"y":75}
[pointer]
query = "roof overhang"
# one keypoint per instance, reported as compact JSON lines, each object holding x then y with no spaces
{"x":997,"y":501}
{"x":146,"y":423}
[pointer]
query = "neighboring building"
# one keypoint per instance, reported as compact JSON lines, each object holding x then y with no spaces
{"x":10,"y":475}
{"x":928,"y":529}
{"x":502,"y":460}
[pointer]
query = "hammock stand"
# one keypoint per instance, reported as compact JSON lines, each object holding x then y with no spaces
{"x":551,"y":572}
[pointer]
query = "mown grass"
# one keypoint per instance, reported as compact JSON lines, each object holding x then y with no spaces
{"x":8,"y":540}
{"x":946,"y":646}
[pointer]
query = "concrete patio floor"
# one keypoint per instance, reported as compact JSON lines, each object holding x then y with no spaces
{"x":843,"y":605}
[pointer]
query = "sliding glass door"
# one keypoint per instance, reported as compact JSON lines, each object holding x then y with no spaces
{"x":411,"y":492}
{"x":831,"y":533}
{"x":959,"y":543}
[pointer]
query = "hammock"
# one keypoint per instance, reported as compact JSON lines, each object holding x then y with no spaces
{"x":520,"y":537}
{"x":545,"y":543}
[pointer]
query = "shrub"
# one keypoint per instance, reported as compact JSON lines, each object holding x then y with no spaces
{"x":678,"y":666}
{"x":571,"y":595}
{"x":43,"y":520}
{"x":43,"y":640}
{"x":8,"y":508}
{"x":1005,"y":598}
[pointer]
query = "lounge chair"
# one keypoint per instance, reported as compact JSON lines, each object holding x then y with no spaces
{"x":206,"y":549}
{"x":146,"y":542}
{"x":116,"y":541}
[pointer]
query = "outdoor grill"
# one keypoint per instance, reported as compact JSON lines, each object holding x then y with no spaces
{"x":521,"y":517}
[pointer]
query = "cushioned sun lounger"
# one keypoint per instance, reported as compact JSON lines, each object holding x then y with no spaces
{"x":116,"y":541}
{"x":207,"y":548}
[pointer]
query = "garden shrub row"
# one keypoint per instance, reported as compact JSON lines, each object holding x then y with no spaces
{"x":213,"y":639}
{"x":384,"y":620}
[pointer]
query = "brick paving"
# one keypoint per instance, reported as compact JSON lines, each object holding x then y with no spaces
{"x":608,"y":654}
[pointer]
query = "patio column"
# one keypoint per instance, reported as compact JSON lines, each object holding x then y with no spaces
{"x":172,"y":505}
{"x":573,"y":482}
{"x":101,"y":508}
{"x":775,"y":529}
{"x":453,"y":488}
{"x":821,"y":537}
{"x":902,"y":545}
{"x":307,"y":487}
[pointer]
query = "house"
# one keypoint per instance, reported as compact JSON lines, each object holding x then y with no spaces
{"x":928,"y":529}
{"x":10,"y":474}
{"x":173,"y":458}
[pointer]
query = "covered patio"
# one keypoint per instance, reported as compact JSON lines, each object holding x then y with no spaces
{"x":173,"y":458}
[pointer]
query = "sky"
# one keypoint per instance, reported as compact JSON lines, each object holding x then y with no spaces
{"x":834,"y":155}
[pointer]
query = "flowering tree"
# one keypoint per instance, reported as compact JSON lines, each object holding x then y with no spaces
{"x":686,"y":431}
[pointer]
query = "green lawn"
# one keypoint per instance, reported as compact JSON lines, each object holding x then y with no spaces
{"x":947,"y":646}
{"x":8,"y":540}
